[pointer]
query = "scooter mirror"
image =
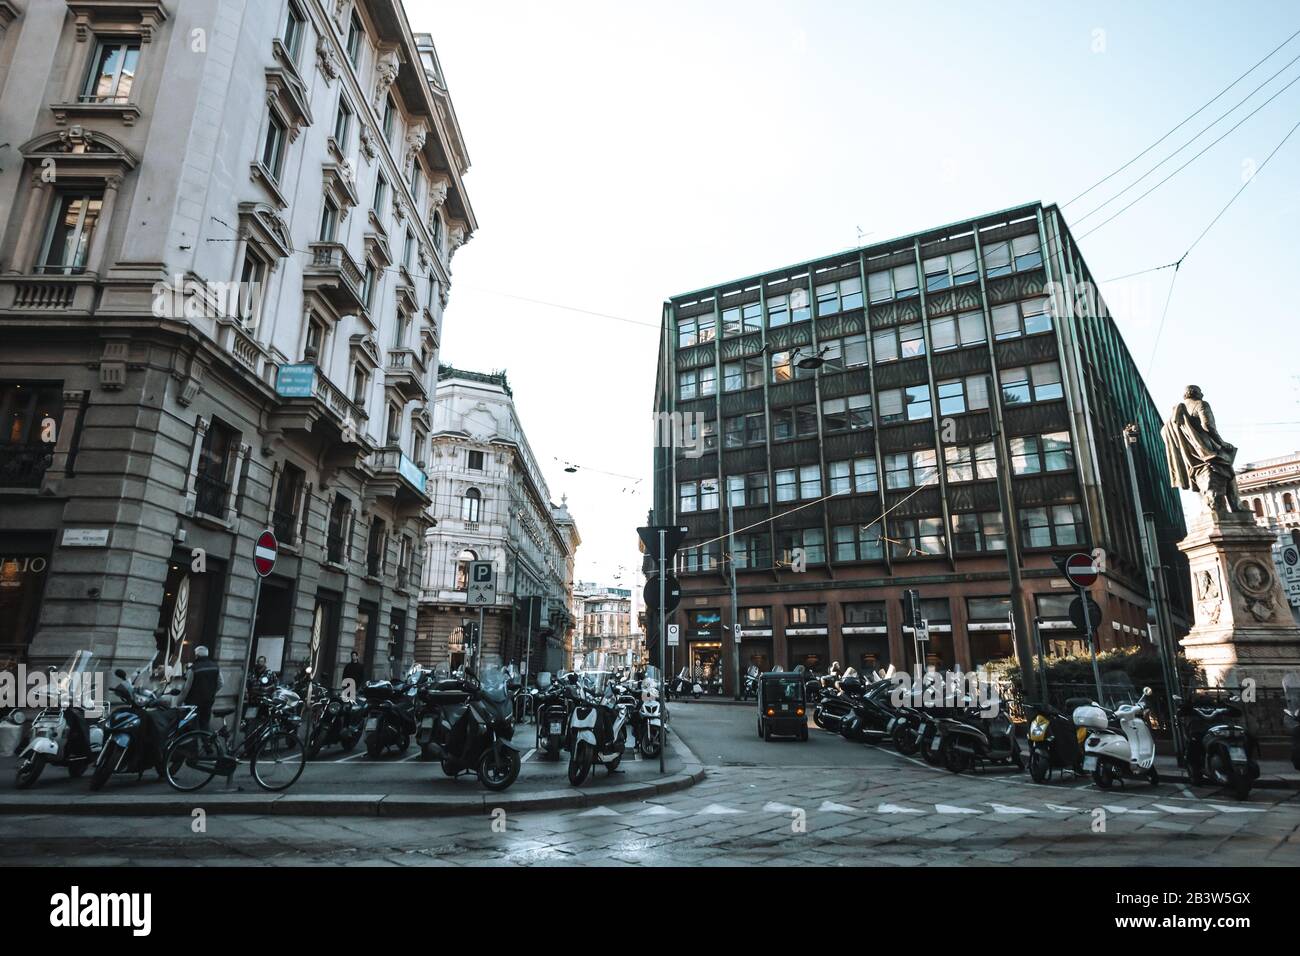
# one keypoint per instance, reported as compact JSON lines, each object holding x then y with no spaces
{"x":1146,"y":691}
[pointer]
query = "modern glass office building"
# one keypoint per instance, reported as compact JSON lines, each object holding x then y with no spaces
{"x":867,"y":416}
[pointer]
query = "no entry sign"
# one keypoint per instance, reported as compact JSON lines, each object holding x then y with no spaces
{"x":264,"y":553}
{"x":1081,"y":570}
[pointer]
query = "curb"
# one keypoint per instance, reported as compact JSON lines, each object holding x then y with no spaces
{"x":359,"y":804}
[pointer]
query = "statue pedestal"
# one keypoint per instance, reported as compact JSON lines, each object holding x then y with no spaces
{"x":1243,"y":623}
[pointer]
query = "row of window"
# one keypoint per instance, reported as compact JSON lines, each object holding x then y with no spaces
{"x":972,"y":533}
{"x":1030,"y":455}
{"x":940,"y":272}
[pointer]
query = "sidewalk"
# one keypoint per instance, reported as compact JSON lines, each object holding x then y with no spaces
{"x":352,"y":785}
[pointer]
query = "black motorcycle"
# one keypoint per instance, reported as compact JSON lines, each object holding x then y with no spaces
{"x":835,"y":702}
{"x":337,"y":719}
{"x":972,"y":736}
{"x":1216,"y":746}
{"x":873,"y":713}
{"x":916,"y":730}
{"x":137,"y":733}
{"x":391,"y":719}
{"x":472,"y":735}
{"x":551,"y":710}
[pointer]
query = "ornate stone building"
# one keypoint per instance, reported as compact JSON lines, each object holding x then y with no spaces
{"x":491,"y":503}
{"x":1271,"y":489}
{"x":227,"y":233}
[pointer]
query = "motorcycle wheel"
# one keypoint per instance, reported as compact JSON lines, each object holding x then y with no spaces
{"x":613,"y":764}
{"x":650,"y":745}
{"x":954,"y":758}
{"x":1153,"y":777}
{"x":931,"y":756}
{"x":760,"y":728}
{"x":1017,"y":758}
{"x":580,"y":763}
{"x":29,"y":771}
{"x":1195,"y":774}
{"x":803,"y":733}
{"x":1104,"y":775}
{"x":904,"y":737}
{"x":426,"y":751}
{"x":1224,"y":772}
{"x":78,"y":768}
{"x":449,"y":768}
{"x":404,"y":744}
{"x":108,"y":759}
{"x":818,"y":719}
{"x":315,"y":745}
{"x":1040,"y":765}
{"x":497,"y":770}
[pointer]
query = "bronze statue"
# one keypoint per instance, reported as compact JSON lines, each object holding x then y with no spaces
{"x":1199,"y":459}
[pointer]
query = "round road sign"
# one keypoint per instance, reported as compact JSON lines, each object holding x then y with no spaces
{"x":1081,"y":570}
{"x":264,"y":553}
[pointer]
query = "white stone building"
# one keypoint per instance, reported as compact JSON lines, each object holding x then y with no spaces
{"x":1271,"y":489}
{"x":227,"y":229}
{"x":491,"y":503}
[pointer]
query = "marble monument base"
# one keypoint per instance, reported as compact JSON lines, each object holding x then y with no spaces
{"x":1243,"y":623}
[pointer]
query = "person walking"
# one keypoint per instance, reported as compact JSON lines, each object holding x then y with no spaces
{"x":355,"y":672}
{"x":203,"y":682}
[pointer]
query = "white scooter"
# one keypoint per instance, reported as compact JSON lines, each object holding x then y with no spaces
{"x":597,"y":734}
{"x":651,"y":718}
{"x":1119,"y":743}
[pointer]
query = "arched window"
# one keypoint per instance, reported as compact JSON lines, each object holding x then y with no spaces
{"x":462,"y":569}
{"x":471,"y":506}
{"x":1288,"y":503}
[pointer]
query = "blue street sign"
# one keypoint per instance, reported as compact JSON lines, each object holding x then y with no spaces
{"x":295,"y":381}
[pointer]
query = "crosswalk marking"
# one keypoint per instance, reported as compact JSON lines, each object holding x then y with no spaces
{"x":895,"y":808}
{"x":599,"y":812}
{"x":949,"y":808}
{"x":829,"y":807}
{"x":1119,"y":809}
{"x":1222,"y":808}
{"x":1004,"y":808}
{"x":771,"y":807}
{"x":1172,"y":809}
{"x":717,"y":809}
{"x":659,"y":810}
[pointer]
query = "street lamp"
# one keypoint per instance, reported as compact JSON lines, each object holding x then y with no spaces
{"x":809,"y":361}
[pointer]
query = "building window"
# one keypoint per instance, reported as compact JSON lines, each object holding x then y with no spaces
{"x":917,"y":398}
{"x":313,"y":349}
{"x":112,"y":72}
{"x":288,"y":500}
{"x":336,"y":530}
{"x":696,"y":330}
{"x":376,"y":548}
{"x":360,"y":384}
{"x":1052,"y":526}
{"x":971,"y":462}
{"x":865,"y":612}
{"x":1037,"y":383}
{"x":708,"y":381}
{"x":463,"y":559}
{"x":295,"y":25}
{"x":972,"y":533}
{"x":857,"y":542}
{"x":1015,"y":319}
{"x":475,"y":460}
{"x":405,"y":548}
{"x":329,"y":221}
{"x":343,"y":124}
{"x":891,"y":406}
{"x":212,"y":482}
{"x":840,"y":475}
{"x":700,"y":558}
{"x":389,"y":120}
{"x":811,"y":540}
{"x":687,"y":385}
{"x":738,"y":319}
{"x":471,"y":506}
{"x":752,"y":551}
{"x":755,"y":617}
{"x":408,"y":248}
{"x":68,"y":235}
{"x":910,"y":469}
{"x":1023,"y":250}
{"x":906,"y":341}
{"x":936,"y":274}
{"x":806,"y":615}
{"x":394,"y":429}
{"x":748,"y":489}
{"x":916,"y":537}
{"x":252,"y":287}
{"x":839,"y":296}
{"x":952,"y":397}
{"x":782,"y":367}
{"x":26,"y":444}
{"x":355,"y":34}
{"x":810,"y":481}
{"x":1031,"y":454}
{"x":786,"y":486}
{"x":381,"y":193}
{"x":273,"y":146}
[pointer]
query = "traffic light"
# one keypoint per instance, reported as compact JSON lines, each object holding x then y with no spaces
{"x":912,"y":609}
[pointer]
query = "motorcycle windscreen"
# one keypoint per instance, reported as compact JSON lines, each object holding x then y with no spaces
{"x":495,"y":695}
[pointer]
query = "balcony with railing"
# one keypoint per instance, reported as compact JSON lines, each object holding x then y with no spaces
{"x":51,"y":293}
{"x":398,"y":477}
{"x":335,"y":275}
{"x":405,"y":373}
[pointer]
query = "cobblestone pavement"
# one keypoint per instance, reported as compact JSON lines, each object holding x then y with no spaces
{"x":875,"y":807}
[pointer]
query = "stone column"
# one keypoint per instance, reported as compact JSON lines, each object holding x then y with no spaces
{"x":31,"y":233}
{"x":95,"y":257}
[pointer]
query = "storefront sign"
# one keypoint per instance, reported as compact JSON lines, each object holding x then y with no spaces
{"x":85,"y":537}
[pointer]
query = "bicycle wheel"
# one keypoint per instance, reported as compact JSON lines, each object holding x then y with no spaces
{"x":278,"y":760}
{"x":191,"y":760}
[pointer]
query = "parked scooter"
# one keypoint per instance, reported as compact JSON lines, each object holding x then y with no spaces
{"x":597,"y":732}
{"x":750,"y":687}
{"x":61,"y":733}
{"x":472,"y":734}
{"x":1119,"y":743}
{"x":1216,"y":746}
{"x":834,"y":702}
{"x":552,"y":709}
{"x":916,"y":730}
{"x":391,"y":719}
{"x":340,"y":720}
{"x":650,"y":715}
{"x":872,"y":717}
{"x":684,"y":684}
{"x":1055,"y":743}
{"x":971,"y":737}
{"x":136,"y":734}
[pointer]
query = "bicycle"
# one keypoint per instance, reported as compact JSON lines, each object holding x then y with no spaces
{"x":271,"y":746}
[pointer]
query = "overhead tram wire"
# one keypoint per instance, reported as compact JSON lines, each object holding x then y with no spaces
{"x":1130,"y":205}
{"x":1195,"y":242}
{"x":1183,"y":123}
{"x":1219,"y":119}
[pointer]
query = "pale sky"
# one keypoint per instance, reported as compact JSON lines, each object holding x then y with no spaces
{"x":626,"y":153}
